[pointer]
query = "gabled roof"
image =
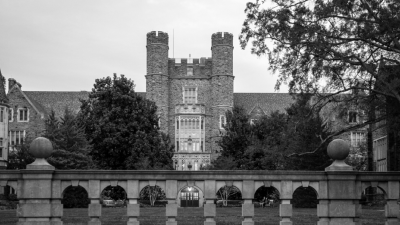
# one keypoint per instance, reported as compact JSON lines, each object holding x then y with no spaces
{"x":45,"y":101}
{"x":268,"y":102}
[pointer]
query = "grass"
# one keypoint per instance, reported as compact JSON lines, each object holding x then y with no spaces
{"x":194,"y":216}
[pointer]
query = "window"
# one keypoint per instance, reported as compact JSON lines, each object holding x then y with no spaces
{"x":16,"y":137}
{"x":23,"y":115}
{"x":2,"y":114}
{"x":253,"y":121}
{"x":189,"y":133}
{"x":189,"y":71}
{"x":190,"y":95}
{"x":10,"y":115}
{"x":1,"y":147}
{"x":222,"y":121}
{"x":352,"y":117}
{"x":357,"y":138}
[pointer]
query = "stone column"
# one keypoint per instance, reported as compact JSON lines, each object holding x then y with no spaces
{"x":133,"y":208}
{"x":285,"y":208}
{"x":171,"y":210}
{"x":391,"y":207}
{"x":209,"y":208}
{"x":248,"y":207}
{"x":322,"y":207}
{"x":341,"y":186}
{"x":35,"y":189}
{"x":94,"y":206}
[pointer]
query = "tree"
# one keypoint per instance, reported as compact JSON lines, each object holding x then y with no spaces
{"x":350,"y":44}
{"x":122,"y":127}
{"x":152,"y":193}
{"x":226,"y":192}
{"x":69,"y":142}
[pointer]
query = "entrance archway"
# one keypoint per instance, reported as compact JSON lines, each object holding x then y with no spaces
{"x":190,"y":197}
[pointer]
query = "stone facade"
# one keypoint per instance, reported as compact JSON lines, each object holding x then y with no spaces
{"x":192,"y":96}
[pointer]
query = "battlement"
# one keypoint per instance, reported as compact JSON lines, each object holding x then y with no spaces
{"x":222,"y":38}
{"x":157,"y":37}
{"x":201,"y":61}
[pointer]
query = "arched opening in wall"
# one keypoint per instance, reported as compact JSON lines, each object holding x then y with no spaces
{"x":75,"y":197}
{"x":304,"y":205}
{"x":266,"y":197}
{"x":113,"y":196}
{"x":229,"y":196}
{"x":373,"y":202}
{"x":8,"y":198}
{"x":189,"y":197}
{"x":266,"y":201}
{"x":152,"y":196}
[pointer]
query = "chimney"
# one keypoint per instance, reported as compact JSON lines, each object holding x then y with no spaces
{"x":12,"y":82}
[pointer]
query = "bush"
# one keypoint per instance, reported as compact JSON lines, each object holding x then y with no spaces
{"x":75,"y":197}
{"x":158,"y":203}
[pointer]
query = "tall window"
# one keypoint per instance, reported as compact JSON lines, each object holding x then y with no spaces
{"x":1,"y":147}
{"x":352,"y":116}
{"x":190,"y":95}
{"x":189,"y":71}
{"x":189,"y":133}
{"x":222,"y":121}
{"x":357,"y":138}
{"x":23,"y":115}
{"x":2,"y":113}
{"x":10,"y":115}
{"x":16,"y":137}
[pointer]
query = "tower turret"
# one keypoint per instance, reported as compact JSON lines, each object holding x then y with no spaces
{"x":157,"y":81}
{"x":221,"y":81}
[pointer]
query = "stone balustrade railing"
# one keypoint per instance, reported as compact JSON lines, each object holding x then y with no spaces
{"x":40,"y":189}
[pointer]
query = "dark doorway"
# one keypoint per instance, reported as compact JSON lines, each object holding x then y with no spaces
{"x":190,"y":197}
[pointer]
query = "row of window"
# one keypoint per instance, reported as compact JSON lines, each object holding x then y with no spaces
{"x":22,"y":114}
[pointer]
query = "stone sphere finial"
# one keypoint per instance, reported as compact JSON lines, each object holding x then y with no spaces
{"x":338,"y":149}
{"x":41,"y":148}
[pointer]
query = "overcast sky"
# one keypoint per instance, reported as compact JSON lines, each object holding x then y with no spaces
{"x":49,"y":45}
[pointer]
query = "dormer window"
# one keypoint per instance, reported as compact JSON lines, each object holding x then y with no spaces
{"x":23,"y":115}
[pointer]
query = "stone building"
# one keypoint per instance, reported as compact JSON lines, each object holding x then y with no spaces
{"x":192,"y":95}
{"x":4,"y":110}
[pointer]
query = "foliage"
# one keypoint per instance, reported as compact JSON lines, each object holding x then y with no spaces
{"x":152,"y":193}
{"x":69,"y":142}
{"x":122,"y":127}
{"x":343,"y":42}
{"x":75,"y":197}
{"x":228,"y":193}
{"x":113,"y":193}
{"x":265,"y":145}
{"x":19,"y":156}
{"x":304,"y":197}
{"x":267,"y":192}
{"x":358,"y":158}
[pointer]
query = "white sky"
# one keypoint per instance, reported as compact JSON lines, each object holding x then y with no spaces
{"x":64,"y":45}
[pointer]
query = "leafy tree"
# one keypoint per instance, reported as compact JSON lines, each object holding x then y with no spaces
{"x":19,"y":156}
{"x":228,"y":192}
{"x":69,"y":142}
{"x":122,"y":127}
{"x":152,"y":193}
{"x":352,"y":45}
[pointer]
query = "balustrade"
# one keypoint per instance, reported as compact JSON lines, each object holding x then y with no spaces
{"x":40,"y":189}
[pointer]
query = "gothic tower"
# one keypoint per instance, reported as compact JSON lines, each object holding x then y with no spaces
{"x":157,"y":82}
{"x":4,"y":107}
{"x":221,"y":81}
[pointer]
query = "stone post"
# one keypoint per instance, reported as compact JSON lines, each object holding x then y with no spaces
{"x":391,"y":207}
{"x":285,"y":208}
{"x":133,"y":208}
{"x":172,"y":206}
{"x":341,"y":187}
{"x":94,"y":206}
{"x":248,"y":207}
{"x":209,"y":208}
{"x":35,"y":205}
